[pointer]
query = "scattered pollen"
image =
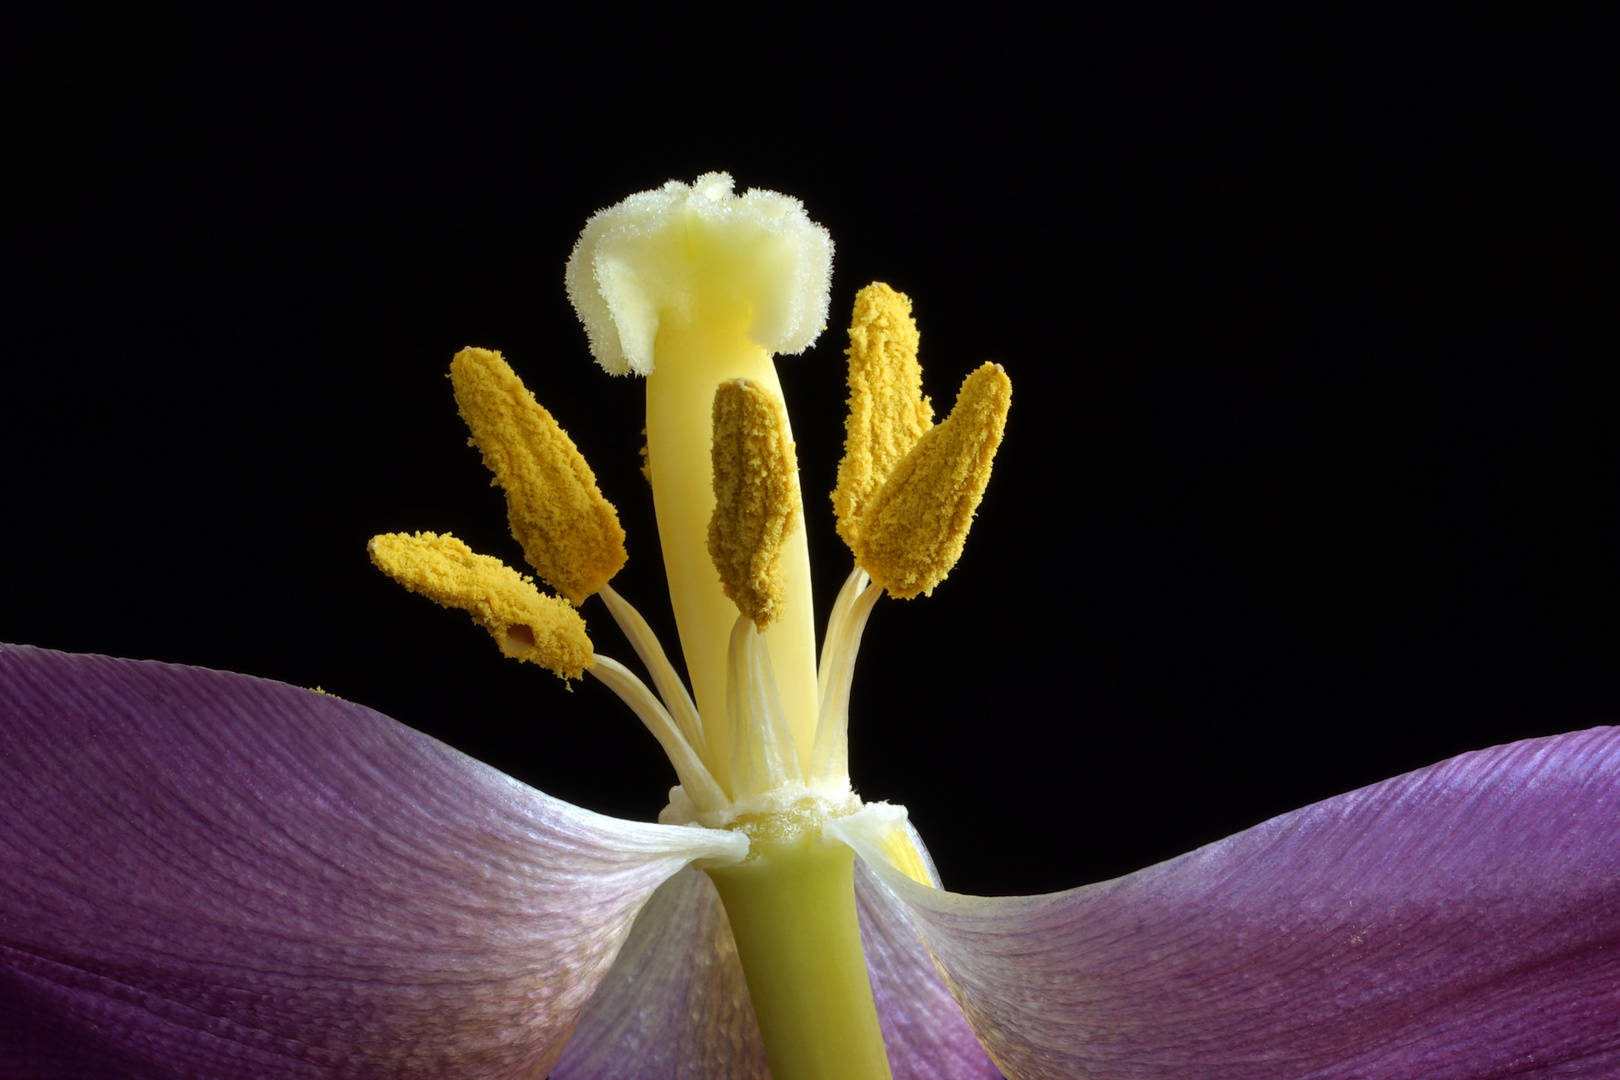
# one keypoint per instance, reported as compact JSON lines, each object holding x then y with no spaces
{"x":756,"y":497}
{"x":913,"y":529}
{"x":887,"y":410}
{"x":570,"y":533}
{"x":526,"y":624}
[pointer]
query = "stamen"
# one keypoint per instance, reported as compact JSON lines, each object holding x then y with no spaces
{"x":914,"y":528}
{"x":829,"y":760}
{"x":763,"y":757}
{"x":664,"y":676}
{"x":756,"y":497}
{"x":854,"y":584}
{"x":699,"y":785}
{"x":570,"y":533}
{"x":526,"y":624}
{"x":887,"y":410}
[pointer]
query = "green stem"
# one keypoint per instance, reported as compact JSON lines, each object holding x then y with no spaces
{"x":792,"y":912}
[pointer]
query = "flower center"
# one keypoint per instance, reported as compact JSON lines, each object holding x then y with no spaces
{"x":695,"y":288}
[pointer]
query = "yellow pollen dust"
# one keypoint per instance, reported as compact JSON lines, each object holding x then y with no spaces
{"x":526,"y":624}
{"x":756,"y":497}
{"x":913,"y":530}
{"x":888,"y":412}
{"x":570,"y":533}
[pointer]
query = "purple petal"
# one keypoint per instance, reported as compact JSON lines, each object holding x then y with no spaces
{"x":924,"y":1030}
{"x":675,"y":1006}
{"x":212,"y":876}
{"x":1462,"y":921}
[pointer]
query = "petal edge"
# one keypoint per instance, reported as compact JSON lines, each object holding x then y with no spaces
{"x":267,"y":872}
{"x":1461,"y":921}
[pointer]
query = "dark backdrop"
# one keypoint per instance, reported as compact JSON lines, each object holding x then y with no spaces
{"x":1310,"y":477}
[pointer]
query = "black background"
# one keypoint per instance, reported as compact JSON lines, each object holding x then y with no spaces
{"x":1310,"y":477}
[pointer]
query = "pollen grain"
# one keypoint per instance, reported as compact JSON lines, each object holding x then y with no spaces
{"x":913,"y":530}
{"x":888,"y":412}
{"x":756,"y":497}
{"x":570,"y":533}
{"x":525,"y":623}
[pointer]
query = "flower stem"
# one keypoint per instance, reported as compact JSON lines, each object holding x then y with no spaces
{"x":792,"y":913}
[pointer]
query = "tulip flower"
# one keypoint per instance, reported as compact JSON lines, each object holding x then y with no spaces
{"x":206,"y":875}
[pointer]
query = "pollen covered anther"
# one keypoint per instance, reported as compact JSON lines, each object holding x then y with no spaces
{"x":525,"y":623}
{"x":570,"y":533}
{"x":888,"y":411}
{"x":913,"y":530}
{"x":756,"y":497}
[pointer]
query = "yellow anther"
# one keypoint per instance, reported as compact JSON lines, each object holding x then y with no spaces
{"x":913,"y":529}
{"x":526,"y":624}
{"x":569,"y":532}
{"x":887,"y":410}
{"x":756,"y":497}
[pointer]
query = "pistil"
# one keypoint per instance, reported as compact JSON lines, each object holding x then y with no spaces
{"x":693,"y":358}
{"x":692,"y":286}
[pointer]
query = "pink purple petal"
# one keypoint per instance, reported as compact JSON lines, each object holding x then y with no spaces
{"x":923,"y":1028}
{"x":1460,"y":922}
{"x":675,"y":1006}
{"x":210,"y":876}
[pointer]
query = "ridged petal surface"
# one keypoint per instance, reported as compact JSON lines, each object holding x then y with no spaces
{"x":1461,"y":922}
{"x":675,"y":1006}
{"x":210,"y":876}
